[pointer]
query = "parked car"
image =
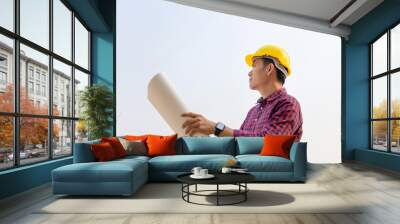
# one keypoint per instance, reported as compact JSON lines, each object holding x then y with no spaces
{"x":25,"y":154}
{"x":10,"y":156}
{"x":22,"y":155}
{"x":57,"y":152}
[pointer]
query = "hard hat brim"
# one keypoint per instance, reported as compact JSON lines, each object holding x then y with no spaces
{"x":249,"y":60}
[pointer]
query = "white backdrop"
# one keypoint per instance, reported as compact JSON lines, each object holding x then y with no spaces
{"x":202,"y":54}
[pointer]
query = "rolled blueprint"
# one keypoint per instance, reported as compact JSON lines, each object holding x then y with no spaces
{"x":161,"y":94}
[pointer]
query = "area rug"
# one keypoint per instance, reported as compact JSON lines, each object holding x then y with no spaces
{"x":167,"y":198}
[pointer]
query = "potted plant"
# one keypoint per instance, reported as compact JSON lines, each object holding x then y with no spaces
{"x":96,"y":102}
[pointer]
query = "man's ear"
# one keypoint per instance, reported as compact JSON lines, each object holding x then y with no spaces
{"x":268,"y":68}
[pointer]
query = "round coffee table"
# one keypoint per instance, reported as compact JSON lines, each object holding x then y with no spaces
{"x":238,"y":179}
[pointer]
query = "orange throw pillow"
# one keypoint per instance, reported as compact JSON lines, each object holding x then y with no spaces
{"x":116,"y":145}
{"x":103,"y":151}
{"x":277,"y":145}
{"x":161,"y":145}
{"x":136,"y":137}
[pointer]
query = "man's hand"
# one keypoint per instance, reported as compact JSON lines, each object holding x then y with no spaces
{"x":196,"y":123}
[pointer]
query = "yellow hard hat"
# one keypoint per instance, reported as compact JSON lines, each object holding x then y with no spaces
{"x":277,"y":54}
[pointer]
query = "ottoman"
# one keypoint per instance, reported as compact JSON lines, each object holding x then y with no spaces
{"x":118,"y":177}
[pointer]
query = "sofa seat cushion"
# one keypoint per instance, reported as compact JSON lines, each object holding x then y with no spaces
{"x":133,"y":158}
{"x":257,"y":163}
{"x":185,"y":163}
{"x":112,"y":171}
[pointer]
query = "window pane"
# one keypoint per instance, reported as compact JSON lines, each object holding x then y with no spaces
{"x":62,"y":89}
{"x":81,"y":81}
{"x":81,"y":131}
{"x":62,"y":138}
{"x":395,"y":94}
{"x":395,"y":136}
{"x":7,"y":14}
{"x":395,"y":47}
{"x":62,"y":29}
{"x":6,"y":142}
{"x":34,"y":81}
{"x":35,"y":21}
{"x":81,"y":45}
{"x":33,"y":140}
{"x":379,"y":100}
{"x":379,"y":55}
{"x":6,"y":74}
{"x":379,"y":135}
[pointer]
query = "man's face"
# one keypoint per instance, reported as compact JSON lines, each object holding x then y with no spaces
{"x":260,"y":74}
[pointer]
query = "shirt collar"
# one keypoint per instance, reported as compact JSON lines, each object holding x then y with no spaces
{"x":272,"y":97}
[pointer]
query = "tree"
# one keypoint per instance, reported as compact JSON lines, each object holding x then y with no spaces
{"x":380,"y":127}
{"x":97,"y":104}
{"x":33,"y":131}
{"x":6,"y":122}
{"x":396,"y":123}
{"x":6,"y":132}
{"x":81,"y":130}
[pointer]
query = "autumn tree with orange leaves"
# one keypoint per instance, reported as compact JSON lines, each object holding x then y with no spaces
{"x":379,"y":127}
{"x":33,"y":130}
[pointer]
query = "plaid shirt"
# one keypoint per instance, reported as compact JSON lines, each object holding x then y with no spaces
{"x":278,"y":114}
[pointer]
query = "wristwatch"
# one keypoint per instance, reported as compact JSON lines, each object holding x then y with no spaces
{"x":219,"y":127}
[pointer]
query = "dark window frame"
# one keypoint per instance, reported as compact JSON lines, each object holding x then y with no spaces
{"x":388,"y":74}
{"x":16,"y":115}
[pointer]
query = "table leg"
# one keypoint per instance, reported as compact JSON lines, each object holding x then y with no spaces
{"x":245,"y":193}
{"x":188,"y":190}
{"x":217,"y":194}
{"x":196,"y":188}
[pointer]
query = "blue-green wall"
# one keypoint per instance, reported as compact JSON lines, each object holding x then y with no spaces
{"x":355,"y":88}
{"x":104,"y":52}
{"x":24,"y":178}
{"x":103,"y":63}
{"x":99,"y":16}
{"x":102,"y":59}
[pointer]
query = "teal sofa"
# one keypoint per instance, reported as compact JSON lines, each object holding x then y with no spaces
{"x":125,"y":176}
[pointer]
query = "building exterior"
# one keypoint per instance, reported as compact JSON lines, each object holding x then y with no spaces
{"x":34,"y":80}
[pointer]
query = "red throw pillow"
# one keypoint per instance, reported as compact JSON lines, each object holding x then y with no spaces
{"x":277,"y":145}
{"x":161,"y":145}
{"x":116,"y":145}
{"x":103,"y":151}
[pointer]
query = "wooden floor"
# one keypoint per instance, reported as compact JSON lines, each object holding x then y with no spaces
{"x":378,"y":188}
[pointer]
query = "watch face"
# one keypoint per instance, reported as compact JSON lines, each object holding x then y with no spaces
{"x":220,"y":126}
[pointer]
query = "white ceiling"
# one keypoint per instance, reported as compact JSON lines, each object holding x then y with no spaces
{"x":321,"y":9}
{"x":316,"y":15}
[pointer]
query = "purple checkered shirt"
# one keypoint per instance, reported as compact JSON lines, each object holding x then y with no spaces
{"x":278,"y":114}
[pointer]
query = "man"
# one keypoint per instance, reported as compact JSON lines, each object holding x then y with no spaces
{"x":275,"y":113}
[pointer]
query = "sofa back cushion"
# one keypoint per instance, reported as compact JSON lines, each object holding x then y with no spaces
{"x":83,"y":152}
{"x":249,"y":145}
{"x":205,"y":145}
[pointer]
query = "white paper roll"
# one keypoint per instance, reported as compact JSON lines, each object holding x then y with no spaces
{"x":161,"y":94}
